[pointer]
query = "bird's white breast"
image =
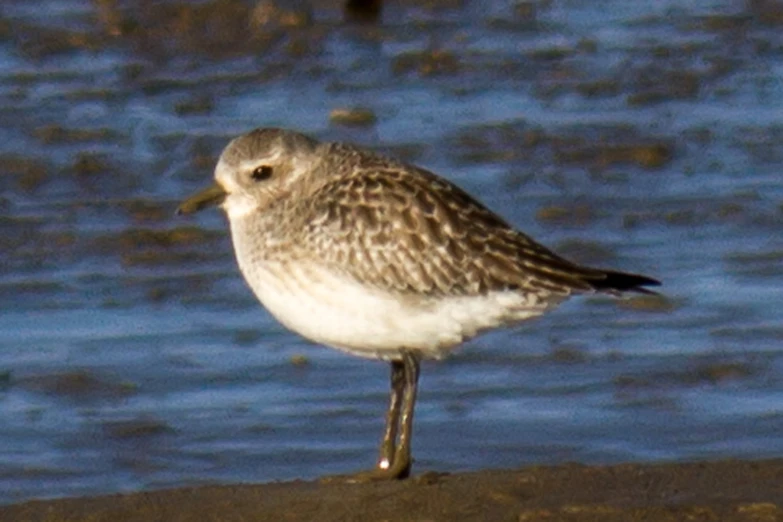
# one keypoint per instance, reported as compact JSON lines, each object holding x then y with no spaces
{"x":336,"y":310}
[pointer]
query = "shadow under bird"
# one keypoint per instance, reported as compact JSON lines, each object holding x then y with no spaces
{"x":382,"y":259}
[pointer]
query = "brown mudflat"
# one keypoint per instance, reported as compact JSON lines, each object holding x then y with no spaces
{"x":723,"y":491}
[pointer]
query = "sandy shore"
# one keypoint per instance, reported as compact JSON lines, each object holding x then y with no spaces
{"x":723,"y":491}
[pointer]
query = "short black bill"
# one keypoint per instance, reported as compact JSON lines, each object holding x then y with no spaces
{"x":210,"y":197}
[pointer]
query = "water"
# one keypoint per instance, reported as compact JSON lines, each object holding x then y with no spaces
{"x":642,"y":137}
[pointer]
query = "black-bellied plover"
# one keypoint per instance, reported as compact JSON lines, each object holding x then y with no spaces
{"x":382,"y":259}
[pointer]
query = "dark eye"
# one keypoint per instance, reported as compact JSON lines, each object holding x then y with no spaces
{"x":261,"y":173}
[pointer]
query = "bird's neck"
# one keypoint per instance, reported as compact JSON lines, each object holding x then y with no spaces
{"x":259,"y":235}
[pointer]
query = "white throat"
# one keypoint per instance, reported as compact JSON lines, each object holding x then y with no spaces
{"x":238,"y":206}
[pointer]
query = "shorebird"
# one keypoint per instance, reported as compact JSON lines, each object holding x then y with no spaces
{"x":381,"y":259}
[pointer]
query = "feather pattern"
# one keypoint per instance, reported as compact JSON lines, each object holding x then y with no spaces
{"x":403,"y":229}
{"x":368,"y":254}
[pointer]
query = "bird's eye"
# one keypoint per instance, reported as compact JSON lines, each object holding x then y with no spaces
{"x":261,"y":173}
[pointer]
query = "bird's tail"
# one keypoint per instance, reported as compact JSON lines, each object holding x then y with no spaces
{"x":613,"y":282}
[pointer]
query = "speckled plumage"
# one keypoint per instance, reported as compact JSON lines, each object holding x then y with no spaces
{"x":381,"y":259}
{"x":419,"y":247}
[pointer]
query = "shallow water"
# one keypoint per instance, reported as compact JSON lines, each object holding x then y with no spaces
{"x":646,"y":138}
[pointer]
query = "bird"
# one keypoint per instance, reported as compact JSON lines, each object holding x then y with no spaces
{"x":362,"y":252}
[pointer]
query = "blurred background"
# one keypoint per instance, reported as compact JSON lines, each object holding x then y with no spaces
{"x":644,"y":136}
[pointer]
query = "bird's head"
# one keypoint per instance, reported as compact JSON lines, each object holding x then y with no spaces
{"x":255,"y":170}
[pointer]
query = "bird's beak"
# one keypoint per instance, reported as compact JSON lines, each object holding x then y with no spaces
{"x":210,"y":197}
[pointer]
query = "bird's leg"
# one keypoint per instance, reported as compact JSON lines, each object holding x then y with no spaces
{"x":395,"y":454}
{"x":389,"y":444}
{"x":401,"y":464}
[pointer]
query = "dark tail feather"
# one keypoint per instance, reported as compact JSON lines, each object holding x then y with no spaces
{"x":623,"y":282}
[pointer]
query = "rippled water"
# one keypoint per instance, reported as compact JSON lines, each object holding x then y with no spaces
{"x":639,"y":135}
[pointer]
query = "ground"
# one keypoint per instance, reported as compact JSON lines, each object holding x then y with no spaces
{"x":724,"y":491}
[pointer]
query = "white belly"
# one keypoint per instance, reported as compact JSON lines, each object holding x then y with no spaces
{"x":337,"y":311}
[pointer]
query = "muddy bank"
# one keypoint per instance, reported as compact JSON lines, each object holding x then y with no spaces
{"x":716,"y":491}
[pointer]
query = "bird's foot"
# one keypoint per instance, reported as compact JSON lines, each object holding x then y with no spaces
{"x":378,"y":474}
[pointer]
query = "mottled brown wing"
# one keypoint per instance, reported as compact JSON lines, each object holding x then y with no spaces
{"x":413,"y":232}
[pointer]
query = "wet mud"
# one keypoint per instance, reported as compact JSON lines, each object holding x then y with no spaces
{"x":726,"y":491}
